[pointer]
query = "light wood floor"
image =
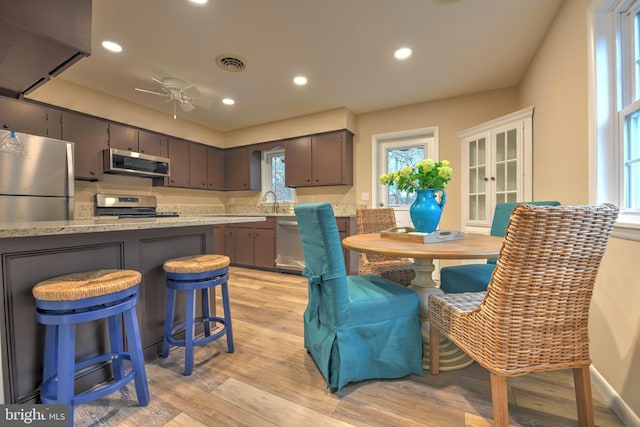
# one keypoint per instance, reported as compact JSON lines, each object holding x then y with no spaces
{"x":270,"y":380}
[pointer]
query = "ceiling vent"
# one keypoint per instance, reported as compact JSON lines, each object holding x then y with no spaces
{"x":230,"y":63}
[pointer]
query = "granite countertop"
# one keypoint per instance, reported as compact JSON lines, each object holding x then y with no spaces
{"x":104,"y":224}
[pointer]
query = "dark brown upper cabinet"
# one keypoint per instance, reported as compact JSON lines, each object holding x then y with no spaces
{"x":215,"y":168}
{"x":152,"y":143}
{"x":30,"y":118}
{"x":179,"y":166}
{"x":242,"y":169}
{"x":125,"y":137}
{"x":319,"y":160}
{"x":91,"y":138}
{"x":197,"y":166}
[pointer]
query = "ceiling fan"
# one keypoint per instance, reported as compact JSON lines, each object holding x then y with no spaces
{"x":177,"y":91}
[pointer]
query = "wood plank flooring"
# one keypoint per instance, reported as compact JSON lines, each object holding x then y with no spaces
{"x":270,"y":380}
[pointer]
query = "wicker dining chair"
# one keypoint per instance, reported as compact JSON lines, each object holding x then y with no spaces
{"x":534,"y":314}
{"x":399,"y":270}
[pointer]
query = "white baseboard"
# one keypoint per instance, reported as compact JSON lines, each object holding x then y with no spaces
{"x":613,"y":399}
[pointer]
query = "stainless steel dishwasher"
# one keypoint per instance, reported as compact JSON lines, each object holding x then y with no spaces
{"x":290,"y":256}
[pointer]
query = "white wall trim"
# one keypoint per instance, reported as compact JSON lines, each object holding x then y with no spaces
{"x":613,"y":399}
{"x":379,"y":138}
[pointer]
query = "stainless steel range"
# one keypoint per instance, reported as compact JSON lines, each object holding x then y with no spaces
{"x":129,"y":206}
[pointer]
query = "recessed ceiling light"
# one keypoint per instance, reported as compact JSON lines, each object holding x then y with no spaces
{"x":112,"y":46}
{"x":402,"y":53}
{"x":300,"y":80}
{"x":199,"y":1}
{"x":228,"y":101}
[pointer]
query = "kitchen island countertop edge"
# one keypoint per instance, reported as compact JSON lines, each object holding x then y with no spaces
{"x":97,"y":225}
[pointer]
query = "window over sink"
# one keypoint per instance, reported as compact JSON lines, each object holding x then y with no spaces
{"x":273,"y":167}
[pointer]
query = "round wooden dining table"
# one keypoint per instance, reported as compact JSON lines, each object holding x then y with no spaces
{"x":472,"y":246}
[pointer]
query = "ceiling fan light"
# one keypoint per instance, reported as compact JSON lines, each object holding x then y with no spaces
{"x":300,"y":80}
{"x":228,"y":101}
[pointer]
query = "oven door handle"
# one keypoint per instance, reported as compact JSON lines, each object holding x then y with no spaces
{"x":288,"y":223}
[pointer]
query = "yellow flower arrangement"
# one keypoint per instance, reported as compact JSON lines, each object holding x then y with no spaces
{"x":425,"y":174}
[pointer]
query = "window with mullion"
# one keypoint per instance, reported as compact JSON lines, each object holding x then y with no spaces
{"x":629,"y":108}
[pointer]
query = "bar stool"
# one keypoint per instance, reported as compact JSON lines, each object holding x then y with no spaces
{"x":191,"y":273}
{"x":64,"y":301}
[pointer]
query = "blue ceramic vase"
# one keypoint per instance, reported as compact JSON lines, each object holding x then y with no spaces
{"x":426,"y":210}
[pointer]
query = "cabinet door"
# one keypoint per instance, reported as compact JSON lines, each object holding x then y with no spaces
{"x":230,"y":243}
{"x":197,"y":166}
{"x":236,"y":170}
{"x":264,"y":248}
{"x":179,"y":165}
{"x":477,"y":150}
{"x":244,"y":246}
{"x":326,"y":159}
{"x":91,"y":137}
{"x":297,"y":154}
{"x":507,"y":152}
{"x":123,"y":137}
{"x":24,"y":117}
{"x":215,"y":169}
{"x":497,"y":166}
{"x":152,"y":143}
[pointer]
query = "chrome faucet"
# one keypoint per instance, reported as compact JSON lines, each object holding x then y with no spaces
{"x":275,"y":200}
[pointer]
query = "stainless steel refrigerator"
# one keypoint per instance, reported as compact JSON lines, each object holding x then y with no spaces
{"x":36,"y":178}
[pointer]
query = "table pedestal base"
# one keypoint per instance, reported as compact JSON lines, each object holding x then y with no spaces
{"x":451,"y":357}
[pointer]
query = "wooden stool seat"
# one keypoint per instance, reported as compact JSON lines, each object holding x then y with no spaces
{"x":65,"y":301}
{"x":87,"y":284}
{"x":189,"y":274}
{"x":196,"y":263}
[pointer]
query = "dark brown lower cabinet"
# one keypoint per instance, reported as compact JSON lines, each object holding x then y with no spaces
{"x":29,"y":260}
{"x":252,"y":244}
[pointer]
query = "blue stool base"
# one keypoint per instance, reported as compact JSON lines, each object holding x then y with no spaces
{"x":60,"y":318}
{"x":190,"y":283}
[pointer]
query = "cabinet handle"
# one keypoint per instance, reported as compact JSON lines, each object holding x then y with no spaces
{"x":493,"y":178}
{"x":486,"y":179}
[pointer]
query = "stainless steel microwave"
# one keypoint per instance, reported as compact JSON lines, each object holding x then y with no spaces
{"x":132,"y":163}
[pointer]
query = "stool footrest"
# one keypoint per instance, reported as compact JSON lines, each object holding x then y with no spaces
{"x":180,"y":327}
{"x":101,"y":390}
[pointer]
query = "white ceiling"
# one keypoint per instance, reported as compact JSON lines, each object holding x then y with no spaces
{"x":344,"y":47}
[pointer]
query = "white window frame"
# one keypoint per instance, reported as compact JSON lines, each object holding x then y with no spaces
{"x":606,"y":136}
{"x":267,"y":184}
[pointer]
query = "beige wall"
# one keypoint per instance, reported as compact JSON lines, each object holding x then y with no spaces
{"x":77,"y":98}
{"x":337,"y":119}
{"x":450,"y":116}
{"x":556,"y":83}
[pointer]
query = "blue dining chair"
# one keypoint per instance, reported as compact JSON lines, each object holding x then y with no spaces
{"x":475,"y":277}
{"x":355,"y":327}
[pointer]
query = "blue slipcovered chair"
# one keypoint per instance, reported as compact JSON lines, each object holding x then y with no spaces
{"x":355,"y":327}
{"x":475,"y":277}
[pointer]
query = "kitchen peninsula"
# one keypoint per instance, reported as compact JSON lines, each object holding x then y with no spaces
{"x":34,"y":251}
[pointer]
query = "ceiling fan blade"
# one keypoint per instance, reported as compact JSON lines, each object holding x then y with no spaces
{"x":150,"y":91}
{"x":191,"y":92}
{"x":157,"y":81}
{"x":187,"y":106}
{"x":202,"y":102}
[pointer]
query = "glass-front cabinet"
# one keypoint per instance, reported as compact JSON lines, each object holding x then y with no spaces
{"x":496,"y":167}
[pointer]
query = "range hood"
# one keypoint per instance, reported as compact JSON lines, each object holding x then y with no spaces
{"x":40,"y":38}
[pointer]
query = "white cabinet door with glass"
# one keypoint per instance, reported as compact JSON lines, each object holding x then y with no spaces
{"x":496,"y":167}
